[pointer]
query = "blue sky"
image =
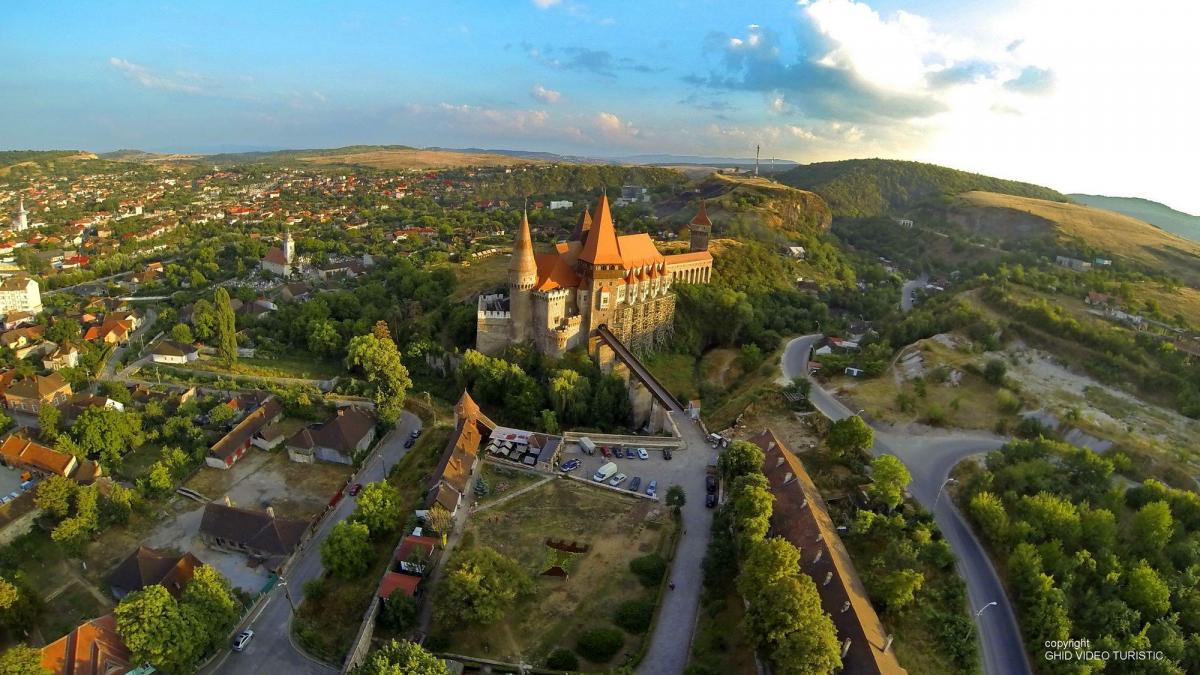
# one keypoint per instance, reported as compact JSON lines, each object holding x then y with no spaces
{"x":1082,"y":96}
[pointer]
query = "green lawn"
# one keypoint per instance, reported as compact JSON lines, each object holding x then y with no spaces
{"x":677,"y":372}
{"x":502,"y":481}
{"x":305,"y":367}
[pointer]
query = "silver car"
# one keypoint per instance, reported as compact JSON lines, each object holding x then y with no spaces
{"x":243,"y":638}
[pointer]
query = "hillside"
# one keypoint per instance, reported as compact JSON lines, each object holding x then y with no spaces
{"x":372,"y":156}
{"x":741,"y":205}
{"x":1012,"y":217}
{"x":860,"y":188}
{"x":1161,"y":215}
{"x":18,"y":162}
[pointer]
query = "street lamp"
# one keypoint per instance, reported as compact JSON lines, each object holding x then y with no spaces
{"x":990,"y":604}
{"x":943,"y":487}
{"x":287,"y":594}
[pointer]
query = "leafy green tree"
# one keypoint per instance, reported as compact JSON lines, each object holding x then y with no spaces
{"x":158,"y":479}
{"x":118,"y":505}
{"x":480,"y":586}
{"x":64,"y":331}
{"x":379,"y":508}
{"x":570,"y":392}
{"x":768,"y":560}
{"x":204,"y":320}
{"x":401,"y":658}
{"x":323,"y":338}
{"x":181,"y":332}
{"x":649,"y":569}
{"x":599,"y":645}
{"x":989,"y":515}
{"x":156,"y":631}
{"x":1146,"y":591}
{"x":48,"y":418}
{"x":635,"y":615}
{"x":676,"y":497}
{"x":399,"y":613}
{"x":850,"y":435}
{"x":106,"y":434}
{"x":55,"y":494}
{"x":752,"y":507}
{"x":563,"y":659}
{"x":209,"y":607}
{"x":548,"y":422}
{"x":220,"y":414}
{"x":21,"y":659}
{"x":1153,"y":526}
{"x":897,"y":588}
{"x":1051,"y":517}
{"x":889,"y":478}
{"x":9,"y":595}
{"x":226,"y":327}
{"x":379,"y":360}
{"x":739,"y":459}
{"x":785,"y":620}
{"x":347,"y":551}
{"x":74,"y":532}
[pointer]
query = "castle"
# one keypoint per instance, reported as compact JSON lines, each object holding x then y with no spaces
{"x":595,"y":278}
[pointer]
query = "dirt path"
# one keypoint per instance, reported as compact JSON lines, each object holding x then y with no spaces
{"x":518,"y":493}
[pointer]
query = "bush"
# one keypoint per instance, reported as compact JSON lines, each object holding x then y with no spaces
{"x":635,"y":615}
{"x":563,"y":659}
{"x":650,"y":569}
{"x":399,"y":613}
{"x":600,"y":644}
{"x":995,"y":371}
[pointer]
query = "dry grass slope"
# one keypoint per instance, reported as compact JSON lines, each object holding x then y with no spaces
{"x":412,"y":158}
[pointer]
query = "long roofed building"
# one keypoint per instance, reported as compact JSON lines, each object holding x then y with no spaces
{"x":559,"y":298}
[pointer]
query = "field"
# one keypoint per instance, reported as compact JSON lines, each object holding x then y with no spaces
{"x":717,"y":379}
{"x":301,"y":367}
{"x":503,"y":481}
{"x":412,"y":158}
{"x":1114,"y":232}
{"x":262,"y":479}
{"x":618,"y":528}
{"x":479,"y":276}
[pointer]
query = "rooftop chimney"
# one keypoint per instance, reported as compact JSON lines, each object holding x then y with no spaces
{"x":846,"y":606}
{"x":817,"y":558}
{"x":779,"y":461}
{"x":887,"y":645}
{"x":845,"y":646}
{"x":828,"y":578}
{"x":227,"y":500}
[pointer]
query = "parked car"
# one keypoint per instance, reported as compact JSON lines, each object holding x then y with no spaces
{"x":617,"y":479}
{"x":652,"y":489}
{"x":409,"y":443}
{"x":605,"y":451}
{"x":355,"y":488}
{"x":635,"y":484}
{"x":569,"y":465}
{"x":643,"y":454}
{"x":710,"y":500}
{"x":667,"y":454}
{"x":243,"y":638}
{"x":618,"y":452}
{"x":710,"y":484}
{"x":416,"y":433}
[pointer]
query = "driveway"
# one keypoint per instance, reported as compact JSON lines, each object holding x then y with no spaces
{"x":147,"y":323}
{"x":906,"y":291}
{"x":671,"y":643}
{"x":272,"y":650}
{"x":929,"y":458}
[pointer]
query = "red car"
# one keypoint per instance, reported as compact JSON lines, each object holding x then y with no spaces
{"x":604,"y":451}
{"x":355,"y":488}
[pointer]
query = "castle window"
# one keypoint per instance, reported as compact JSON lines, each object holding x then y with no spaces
{"x":621,"y":293}
{"x":603,"y":299}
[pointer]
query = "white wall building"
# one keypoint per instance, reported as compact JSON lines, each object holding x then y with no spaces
{"x":20,"y":294}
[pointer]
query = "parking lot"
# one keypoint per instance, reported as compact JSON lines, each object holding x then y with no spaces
{"x":680,"y":470}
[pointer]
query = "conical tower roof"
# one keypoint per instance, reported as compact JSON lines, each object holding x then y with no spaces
{"x":600,"y":247}
{"x":523,"y":263}
{"x":701,"y":217}
{"x":582,"y":226}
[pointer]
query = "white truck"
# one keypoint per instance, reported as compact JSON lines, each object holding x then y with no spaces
{"x":605,"y":472}
{"x":586,"y":445}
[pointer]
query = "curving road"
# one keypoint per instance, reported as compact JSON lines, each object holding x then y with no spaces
{"x":929,"y":458}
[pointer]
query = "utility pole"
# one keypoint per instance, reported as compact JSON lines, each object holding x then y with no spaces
{"x":757,"y":152}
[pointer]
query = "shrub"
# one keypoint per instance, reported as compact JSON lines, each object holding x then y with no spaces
{"x":935,"y":415}
{"x":563,"y":659}
{"x":635,"y":615}
{"x":650,"y":569}
{"x":1007,"y":401}
{"x":600,"y":644}
{"x":995,"y":371}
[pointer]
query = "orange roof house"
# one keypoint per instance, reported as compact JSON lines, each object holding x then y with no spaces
{"x":31,"y":393}
{"x":94,"y":648}
{"x":17,"y":451}
{"x":452,"y":477}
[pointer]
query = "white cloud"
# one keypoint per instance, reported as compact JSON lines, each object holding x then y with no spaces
{"x":545,"y":95}
{"x":185,"y":82}
{"x":615,"y":128}
{"x":545,"y":4}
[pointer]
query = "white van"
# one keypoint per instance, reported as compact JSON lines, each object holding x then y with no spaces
{"x":605,"y":472}
{"x":587,"y":446}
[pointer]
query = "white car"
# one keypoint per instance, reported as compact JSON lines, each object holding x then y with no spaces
{"x":617,"y":479}
{"x":642,"y":454}
{"x":243,"y":638}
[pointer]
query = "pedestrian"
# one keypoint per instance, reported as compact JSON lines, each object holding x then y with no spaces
{"x":671,"y":585}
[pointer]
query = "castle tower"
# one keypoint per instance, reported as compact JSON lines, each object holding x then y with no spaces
{"x":582,"y":226}
{"x":700,"y":228}
{"x":601,"y":267}
{"x":522,"y":275}
{"x":21,"y":219}
{"x":289,"y":247}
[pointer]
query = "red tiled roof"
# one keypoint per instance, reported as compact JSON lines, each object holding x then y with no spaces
{"x":20,"y":451}
{"x":405,"y":583}
{"x":93,"y":648}
{"x":600,"y":247}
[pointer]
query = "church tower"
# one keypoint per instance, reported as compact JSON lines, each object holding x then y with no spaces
{"x":700,"y":228}
{"x":21,"y":219}
{"x":522,"y":275}
{"x":289,"y":248}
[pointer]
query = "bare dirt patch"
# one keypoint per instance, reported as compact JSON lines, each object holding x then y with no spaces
{"x":261,"y":479}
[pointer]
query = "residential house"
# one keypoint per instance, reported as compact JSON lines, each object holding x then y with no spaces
{"x":172,"y":352}
{"x":94,"y":648}
{"x":23,"y":341}
{"x":19,"y":452}
{"x":65,"y":356}
{"x":35,"y":391}
{"x":412,"y":559}
{"x":17,"y":319}
{"x":75,"y":405}
{"x":337,"y":440}
{"x":452,"y":478}
{"x":295,"y":292}
{"x":234,"y":444}
{"x":269,"y":436}
{"x":800,"y":516}
{"x":147,"y":567}
{"x":111,"y":332}
{"x":256,"y":533}
{"x":1072,"y":263}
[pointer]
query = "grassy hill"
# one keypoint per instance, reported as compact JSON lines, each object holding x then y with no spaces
{"x":860,"y":188}
{"x":373,"y":156}
{"x":748,"y":205}
{"x":1014,"y":217}
{"x":1161,"y":215}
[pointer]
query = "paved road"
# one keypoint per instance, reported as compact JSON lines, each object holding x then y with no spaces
{"x":929,"y":458}
{"x":113,"y":359}
{"x":272,"y":650}
{"x":670,"y":645}
{"x":906,"y":291}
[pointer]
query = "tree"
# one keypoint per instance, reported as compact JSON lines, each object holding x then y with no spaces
{"x":155,"y":631}
{"x":347,"y":551}
{"x":220,"y":414}
{"x":209,"y":607}
{"x":598,"y":645}
{"x":1154,"y":525}
{"x":995,"y":371}
{"x":158,"y":480}
{"x":897,"y":588}
{"x":226,"y":327}
{"x":48,"y":417}
{"x":767,"y":561}
{"x":21,"y":659}
{"x":439,"y":519}
{"x":649,"y":569}
{"x":379,"y":360}
{"x":401,"y":657}
{"x":739,"y":459}
{"x":323,"y":338}
{"x":379,"y":508}
{"x":480,"y":586}
{"x":786,"y":622}
{"x":64,"y":331}
{"x":889,"y":478}
{"x":399,"y":613}
{"x":676,"y":497}
{"x":106,"y":434}
{"x":118,"y":506}
{"x":54,"y":495}
{"x":204,"y":320}
{"x":548,"y":422}
{"x":1146,"y":592}
{"x":181,"y":332}
{"x":635,"y":615}
{"x":850,"y":434}
{"x":989,"y":515}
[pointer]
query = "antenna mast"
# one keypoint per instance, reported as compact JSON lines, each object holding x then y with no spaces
{"x":757,"y":152}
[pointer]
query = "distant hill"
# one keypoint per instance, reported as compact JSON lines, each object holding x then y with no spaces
{"x":1183,"y":224}
{"x":876,"y":187}
{"x":1013,"y":217}
{"x":751,"y":206}
{"x":38,"y":161}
